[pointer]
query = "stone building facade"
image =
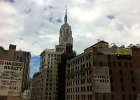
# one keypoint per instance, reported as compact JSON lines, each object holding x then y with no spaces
{"x":78,"y":77}
{"x":45,"y":81}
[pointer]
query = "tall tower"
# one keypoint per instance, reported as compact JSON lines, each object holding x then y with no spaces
{"x":65,"y":33}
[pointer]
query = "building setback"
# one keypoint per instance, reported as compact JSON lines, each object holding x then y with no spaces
{"x":65,"y":56}
{"x":122,"y":64}
{"x":49,"y":82}
{"x":18,"y":56}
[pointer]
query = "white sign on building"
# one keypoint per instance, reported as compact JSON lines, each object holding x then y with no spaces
{"x":101,"y":80}
{"x":10,"y":78}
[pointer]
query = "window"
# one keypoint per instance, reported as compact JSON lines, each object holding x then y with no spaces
{"x":86,"y":58}
{"x":123,"y":97}
{"x":130,"y":97}
{"x":126,"y":64}
{"x":109,"y":57}
{"x":48,"y":55}
{"x":84,"y":97}
{"x":114,"y":64}
{"x":133,"y":87}
{"x":130,"y":64}
{"x":82,"y":81}
{"x":120,"y":65}
{"x":89,"y":64}
{"x":131,"y":72}
{"x":89,"y":97}
{"x":132,"y":80}
{"x":82,"y":89}
{"x":122,"y":88}
{"x":110,"y":71}
{"x":112,"y":88}
{"x":88,"y":88}
{"x":109,"y":64}
{"x":104,"y":97}
{"x":86,"y":64}
{"x":89,"y":56}
{"x":121,"y":79}
{"x":21,"y":59}
{"x":88,"y":80}
{"x":121,"y":72}
{"x":17,"y":57}
{"x":111,"y":80}
{"x":135,"y":97}
{"x":100,"y":63}
{"x":112,"y":97}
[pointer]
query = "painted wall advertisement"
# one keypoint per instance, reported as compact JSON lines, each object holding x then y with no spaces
{"x":102,"y":80}
{"x":10,"y":78}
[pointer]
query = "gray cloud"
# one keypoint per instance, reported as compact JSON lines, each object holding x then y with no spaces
{"x":110,"y":17}
{"x":11,"y":1}
{"x":34,"y":24}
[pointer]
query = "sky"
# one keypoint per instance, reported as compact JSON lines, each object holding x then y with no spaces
{"x":33,"y":25}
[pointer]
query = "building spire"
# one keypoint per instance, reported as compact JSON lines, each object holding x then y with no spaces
{"x":65,"y":18}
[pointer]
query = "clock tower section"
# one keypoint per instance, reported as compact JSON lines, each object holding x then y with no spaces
{"x":65,"y":33}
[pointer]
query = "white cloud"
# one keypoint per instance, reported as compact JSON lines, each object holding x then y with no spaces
{"x":33,"y":26}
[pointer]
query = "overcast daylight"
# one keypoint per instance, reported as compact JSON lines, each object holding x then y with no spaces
{"x":33,"y":25}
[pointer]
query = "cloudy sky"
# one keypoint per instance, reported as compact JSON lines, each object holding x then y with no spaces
{"x":33,"y":25}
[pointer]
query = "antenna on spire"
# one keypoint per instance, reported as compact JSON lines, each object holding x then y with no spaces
{"x":66,"y":9}
{"x":65,"y":19}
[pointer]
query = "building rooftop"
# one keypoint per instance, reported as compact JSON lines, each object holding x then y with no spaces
{"x":120,"y":51}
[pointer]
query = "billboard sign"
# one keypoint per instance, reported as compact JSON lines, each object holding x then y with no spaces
{"x":10,"y":78}
{"x":101,"y":80}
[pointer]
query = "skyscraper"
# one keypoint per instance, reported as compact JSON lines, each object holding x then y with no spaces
{"x":65,"y":33}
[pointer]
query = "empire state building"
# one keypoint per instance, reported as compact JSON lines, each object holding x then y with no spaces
{"x":65,"y":33}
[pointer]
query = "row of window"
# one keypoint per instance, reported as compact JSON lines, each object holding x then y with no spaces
{"x":79,"y":82}
{"x":51,"y":84}
{"x":49,"y":98}
{"x":121,"y":72}
{"x":50,"y":89}
{"x":79,"y":89}
{"x":122,"y":80}
{"x":122,"y":97}
{"x":119,"y":64}
{"x":77,"y":68}
{"x":50,"y":93}
{"x":79,"y":97}
{"x":124,"y":89}
{"x":81,"y":74}
{"x":53,"y":55}
{"x":80,"y":60}
{"x":20,"y":58}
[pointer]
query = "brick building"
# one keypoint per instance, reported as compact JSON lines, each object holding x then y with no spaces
{"x":123,"y":66}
